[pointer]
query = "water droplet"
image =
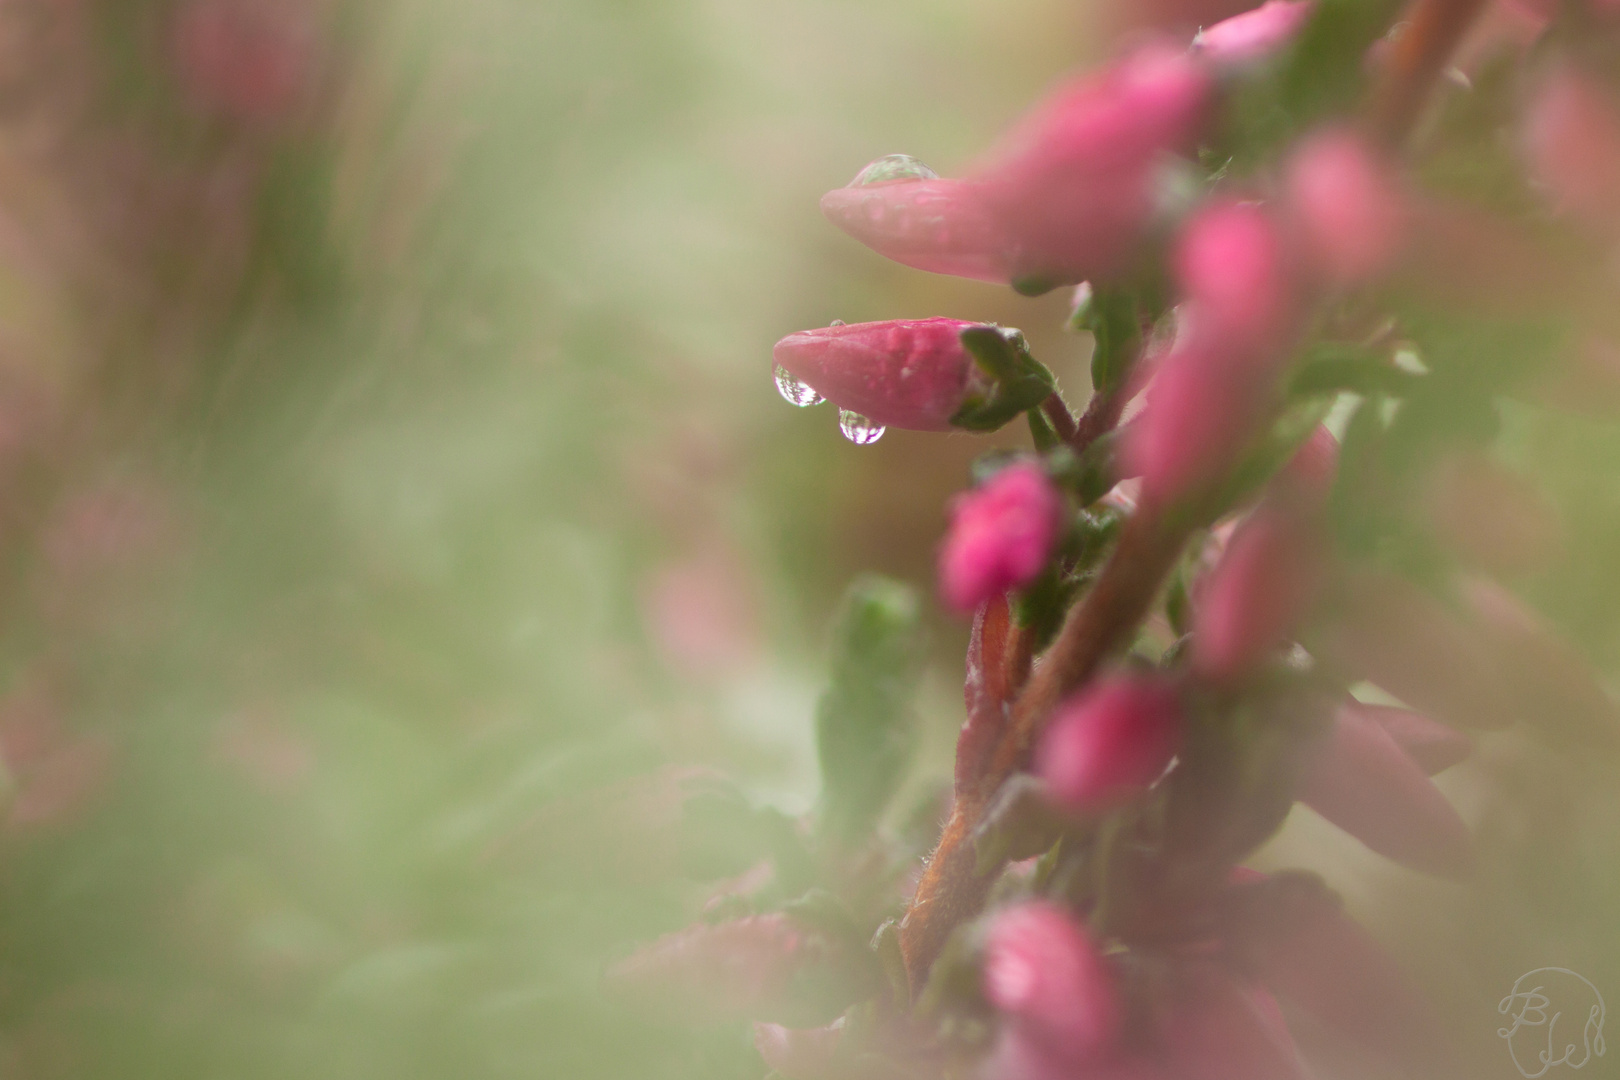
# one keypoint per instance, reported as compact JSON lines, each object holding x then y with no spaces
{"x":795,"y":392}
{"x":893,"y":167}
{"x":838,"y":322}
{"x":858,"y":429}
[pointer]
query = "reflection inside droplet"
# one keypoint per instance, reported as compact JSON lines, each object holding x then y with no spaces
{"x":793,"y":391}
{"x":858,"y":429}
{"x":893,"y":167}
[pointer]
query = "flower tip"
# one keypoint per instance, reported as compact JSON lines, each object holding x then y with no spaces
{"x":1000,"y":536}
{"x":1109,"y":742}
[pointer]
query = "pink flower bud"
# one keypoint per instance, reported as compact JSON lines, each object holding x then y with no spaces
{"x":1232,"y":264}
{"x":1215,"y":1029}
{"x":1364,"y":783}
{"x":904,"y":373}
{"x":900,"y":209}
{"x":1072,"y":186}
{"x":1252,"y":600}
{"x":1043,"y":971}
{"x":1433,"y":746}
{"x":1108,"y":742}
{"x":1000,"y":536}
{"x":1254,"y":35}
{"x":1307,"y":479}
{"x":1572,"y":138}
{"x":1348,"y":206}
{"x":249,"y":59}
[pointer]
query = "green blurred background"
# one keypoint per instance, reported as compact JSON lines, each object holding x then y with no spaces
{"x":385,"y":476}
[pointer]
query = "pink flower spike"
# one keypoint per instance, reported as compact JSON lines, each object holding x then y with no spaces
{"x":1364,"y":783}
{"x":1072,"y":186}
{"x":910,"y":215}
{"x":1107,"y":743}
{"x":1254,"y":35}
{"x":1000,"y":536}
{"x":1348,"y":206}
{"x":904,"y":373}
{"x":1572,"y":138}
{"x":1045,"y":973}
{"x":1252,"y":600}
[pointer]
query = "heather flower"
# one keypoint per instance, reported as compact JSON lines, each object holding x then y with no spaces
{"x":1251,"y":601}
{"x":1072,"y":189}
{"x":1108,"y":742}
{"x":1253,"y":35}
{"x":1232,"y":264}
{"x":1347,"y":205}
{"x":1000,"y":536}
{"x":1572,"y":140}
{"x":1046,"y":976}
{"x":1360,"y":779}
{"x":1433,"y":746}
{"x":917,"y":219}
{"x":905,"y":373}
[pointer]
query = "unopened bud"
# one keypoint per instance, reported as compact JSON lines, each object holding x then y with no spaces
{"x":1108,"y":742}
{"x":1044,"y":973}
{"x":1254,"y":35}
{"x":1348,"y":206}
{"x":902,"y":210}
{"x":1000,"y":536}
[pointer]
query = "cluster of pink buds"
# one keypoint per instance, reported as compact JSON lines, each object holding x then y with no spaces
{"x":1286,"y":498}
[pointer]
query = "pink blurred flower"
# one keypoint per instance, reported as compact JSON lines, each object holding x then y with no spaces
{"x":701,"y":615}
{"x":1072,"y":187}
{"x":904,"y":373}
{"x":1572,"y":138}
{"x":1109,"y":741}
{"x":1044,"y":973}
{"x":920,"y":220}
{"x":1433,"y":746}
{"x":1360,"y":779}
{"x":1250,"y":603}
{"x":1233,"y":267}
{"x":59,"y":786}
{"x":1254,"y":35}
{"x":249,"y":59}
{"x":1000,"y":536}
{"x":1348,"y":206}
{"x":800,"y":1053}
{"x":1216,"y":1029}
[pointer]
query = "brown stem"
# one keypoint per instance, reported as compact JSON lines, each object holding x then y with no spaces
{"x":1057,"y":414}
{"x":951,"y":890}
{"x":1415,"y":59}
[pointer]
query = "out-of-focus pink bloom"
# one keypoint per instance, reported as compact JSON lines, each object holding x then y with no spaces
{"x":701,"y":614}
{"x":1364,"y":783}
{"x":1572,"y":138}
{"x":1304,"y":947}
{"x":1071,"y":189}
{"x":1232,"y":264}
{"x":1215,"y":1029}
{"x":1252,"y":600}
{"x":1176,"y":16}
{"x":1347,"y":205}
{"x":1496,"y":521}
{"x":1433,"y":746}
{"x":1254,"y":35}
{"x":1110,"y":741}
{"x":1307,"y":479}
{"x":920,"y":220}
{"x":768,"y":967}
{"x":1000,"y":536}
{"x":276,"y":757}
{"x":904,"y":373}
{"x":1384,"y":628}
{"x":1046,"y":976}
{"x":60,"y":785}
{"x":1212,"y":388}
{"x":249,"y":59}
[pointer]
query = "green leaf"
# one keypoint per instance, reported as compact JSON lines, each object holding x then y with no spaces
{"x":865,"y":731}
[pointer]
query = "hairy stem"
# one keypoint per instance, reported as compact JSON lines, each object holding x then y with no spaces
{"x":951,"y":890}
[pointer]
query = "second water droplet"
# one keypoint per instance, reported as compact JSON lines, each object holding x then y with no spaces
{"x":859,"y":429}
{"x":795,"y":392}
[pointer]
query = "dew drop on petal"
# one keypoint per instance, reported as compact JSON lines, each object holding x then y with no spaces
{"x":838,"y":322}
{"x":893,"y":167}
{"x":795,"y":392}
{"x":858,"y":429}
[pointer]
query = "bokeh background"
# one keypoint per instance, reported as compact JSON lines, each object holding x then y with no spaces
{"x":390,"y":465}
